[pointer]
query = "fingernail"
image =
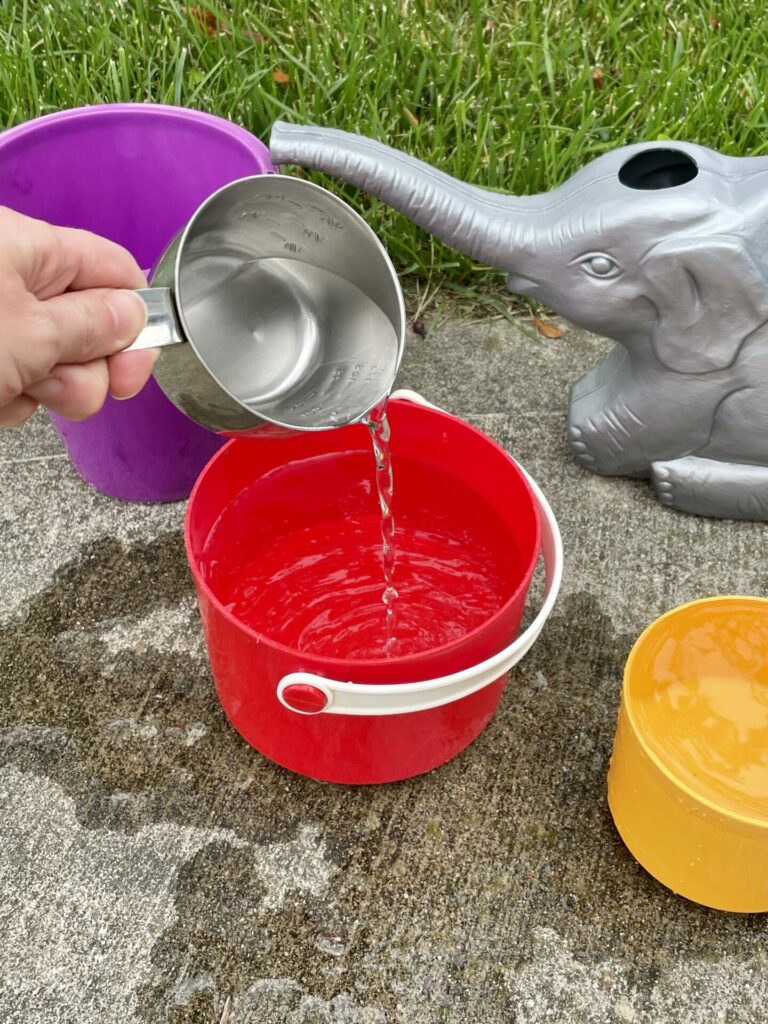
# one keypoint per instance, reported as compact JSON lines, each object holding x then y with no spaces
{"x":129,"y":313}
{"x":126,"y":398}
{"x":45,"y":390}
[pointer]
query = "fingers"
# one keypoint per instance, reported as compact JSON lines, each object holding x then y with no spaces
{"x":130,"y":371}
{"x":98,"y":262}
{"x":90,"y":324}
{"x":78,"y":391}
{"x":74,"y":391}
{"x":17,"y":411}
{"x":53,"y":260}
{"x":68,"y":303}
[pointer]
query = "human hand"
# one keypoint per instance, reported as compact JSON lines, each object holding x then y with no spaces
{"x":65,"y":314}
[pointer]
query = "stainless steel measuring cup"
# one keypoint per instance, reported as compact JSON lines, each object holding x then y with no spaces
{"x":276,"y":308}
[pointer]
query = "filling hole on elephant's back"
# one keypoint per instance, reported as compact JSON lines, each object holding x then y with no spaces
{"x":658,"y":168}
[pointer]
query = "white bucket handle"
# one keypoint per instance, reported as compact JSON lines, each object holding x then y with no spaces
{"x":401,"y":698}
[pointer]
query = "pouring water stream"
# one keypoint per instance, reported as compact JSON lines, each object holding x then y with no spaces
{"x":378,"y":425}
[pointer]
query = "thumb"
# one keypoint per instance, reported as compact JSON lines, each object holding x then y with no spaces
{"x":95,"y":322}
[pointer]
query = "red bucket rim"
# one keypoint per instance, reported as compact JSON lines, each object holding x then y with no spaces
{"x":337,"y":666}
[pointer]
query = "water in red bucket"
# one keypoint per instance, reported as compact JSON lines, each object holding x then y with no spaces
{"x":312,"y":578}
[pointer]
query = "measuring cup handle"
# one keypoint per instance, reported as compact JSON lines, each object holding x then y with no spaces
{"x":163,"y":327}
{"x":307,"y":694}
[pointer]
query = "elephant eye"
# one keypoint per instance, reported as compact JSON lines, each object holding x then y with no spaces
{"x":597,"y":264}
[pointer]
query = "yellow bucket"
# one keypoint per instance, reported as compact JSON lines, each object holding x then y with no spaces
{"x":688,"y":781}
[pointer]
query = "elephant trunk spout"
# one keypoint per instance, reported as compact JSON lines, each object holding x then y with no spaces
{"x":469,"y":219}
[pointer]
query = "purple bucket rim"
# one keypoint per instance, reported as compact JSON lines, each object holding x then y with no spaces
{"x":158,"y":110}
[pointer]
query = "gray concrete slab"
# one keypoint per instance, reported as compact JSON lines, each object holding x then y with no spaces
{"x":152,"y":864}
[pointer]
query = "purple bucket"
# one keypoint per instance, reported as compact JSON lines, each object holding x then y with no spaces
{"x":134,"y":173}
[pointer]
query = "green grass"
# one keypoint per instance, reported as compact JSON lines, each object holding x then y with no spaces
{"x":500,"y":94}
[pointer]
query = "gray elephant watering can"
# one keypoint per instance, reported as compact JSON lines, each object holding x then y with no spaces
{"x":662,"y":247}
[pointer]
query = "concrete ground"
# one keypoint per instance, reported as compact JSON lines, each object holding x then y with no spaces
{"x":153,"y":865}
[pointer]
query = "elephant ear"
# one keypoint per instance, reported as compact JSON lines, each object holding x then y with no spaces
{"x":710,"y":295}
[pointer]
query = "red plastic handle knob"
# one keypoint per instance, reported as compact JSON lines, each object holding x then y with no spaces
{"x":306,"y":698}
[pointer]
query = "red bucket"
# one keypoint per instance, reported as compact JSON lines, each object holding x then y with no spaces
{"x":383,"y":718}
